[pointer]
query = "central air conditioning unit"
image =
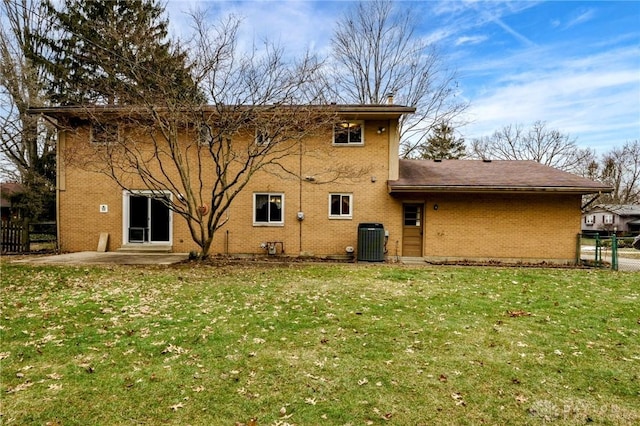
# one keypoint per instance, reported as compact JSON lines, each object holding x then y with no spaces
{"x":371,"y":242}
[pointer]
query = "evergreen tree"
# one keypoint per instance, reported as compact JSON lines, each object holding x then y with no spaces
{"x":27,"y":143}
{"x":113,"y":52}
{"x":443,"y":144}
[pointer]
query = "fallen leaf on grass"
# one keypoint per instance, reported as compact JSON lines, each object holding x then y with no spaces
{"x":458,"y":398}
{"x":177,"y":406}
{"x":383,"y":416}
{"x":20,"y":387}
{"x":520,"y":399}
{"x":515,"y":314}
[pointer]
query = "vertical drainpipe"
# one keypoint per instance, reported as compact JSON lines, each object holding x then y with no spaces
{"x":60,"y":183}
{"x":300,"y":195}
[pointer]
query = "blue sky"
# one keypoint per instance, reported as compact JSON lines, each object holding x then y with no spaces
{"x":573,"y":64}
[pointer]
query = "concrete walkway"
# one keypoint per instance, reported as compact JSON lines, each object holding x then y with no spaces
{"x":108,"y":258}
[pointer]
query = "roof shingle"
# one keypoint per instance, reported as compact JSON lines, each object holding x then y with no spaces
{"x":488,"y":176}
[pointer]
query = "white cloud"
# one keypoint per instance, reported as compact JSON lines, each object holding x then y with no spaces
{"x":581,"y":18}
{"x":470,"y":40}
{"x":595,"y":98}
{"x":298,"y":25}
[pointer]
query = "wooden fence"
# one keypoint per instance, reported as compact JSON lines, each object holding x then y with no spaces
{"x":15,"y":237}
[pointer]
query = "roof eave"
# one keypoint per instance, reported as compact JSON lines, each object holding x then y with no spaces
{"x":400,"y":189}
{"x":357,"y":111}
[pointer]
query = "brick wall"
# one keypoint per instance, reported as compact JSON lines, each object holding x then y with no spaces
{"x":510,"y":227}
{"x":513,"y":227}
{"x":361,"y":171}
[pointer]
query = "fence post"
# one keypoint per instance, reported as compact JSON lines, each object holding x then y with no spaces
{"x":25,"y":239}
{"x":614,"y":252}
{"x":598,"y":250}
{"x":578,"y":249}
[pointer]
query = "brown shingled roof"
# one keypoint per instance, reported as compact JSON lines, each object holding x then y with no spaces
{"x":488,"y":176}
{"x":7,"y":189}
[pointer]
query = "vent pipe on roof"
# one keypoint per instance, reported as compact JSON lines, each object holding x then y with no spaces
{"x":486,"y":160}
{"x":390,"y":98}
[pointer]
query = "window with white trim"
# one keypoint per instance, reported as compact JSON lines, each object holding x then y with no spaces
{"x":262,"y":137}
{"x":204,"y":134}
{"x":590,"y":219}
{"x":349,"y":133}
{"x":608,"y":219}
{"x":268,"y":209}
{"x":104,"y":133}
{"x":340,"y":206}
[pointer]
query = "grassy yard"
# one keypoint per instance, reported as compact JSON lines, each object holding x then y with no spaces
{"x":306,"y":344}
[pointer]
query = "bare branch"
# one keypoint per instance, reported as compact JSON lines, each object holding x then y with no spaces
{"x":377,"y":53}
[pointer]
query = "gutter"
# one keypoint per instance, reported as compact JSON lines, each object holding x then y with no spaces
{"x":82,"y":111}
{"x":401,"y":189}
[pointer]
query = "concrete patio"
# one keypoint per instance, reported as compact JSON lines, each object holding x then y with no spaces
{"x":108,"y":258}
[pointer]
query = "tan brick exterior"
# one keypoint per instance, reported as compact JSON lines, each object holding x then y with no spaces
{"x":510,"y":227}
{"x":367,"y":167}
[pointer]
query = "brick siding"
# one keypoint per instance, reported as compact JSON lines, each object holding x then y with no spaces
{"x":465,"y":226}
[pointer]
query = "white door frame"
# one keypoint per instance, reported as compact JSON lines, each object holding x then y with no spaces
{"x":125,"y":215}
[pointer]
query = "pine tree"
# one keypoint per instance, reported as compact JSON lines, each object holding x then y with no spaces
{"x":443,"y":144}
{"x":113,"y":52}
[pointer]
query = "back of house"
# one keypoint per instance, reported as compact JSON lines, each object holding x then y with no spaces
{"x":339,"y":193}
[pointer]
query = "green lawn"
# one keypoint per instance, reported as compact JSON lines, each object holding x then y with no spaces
{"x":309,"y":344}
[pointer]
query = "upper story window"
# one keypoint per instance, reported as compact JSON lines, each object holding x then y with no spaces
{"x":349,"y":133}
{"x":268,"y":209}
{"x":204,"y":134}
{"x":607,"y":219}
{"x":104,"y":133}
{"x":590,"y":219}
{"x":262,"y":137}
{"x":340,"y":206}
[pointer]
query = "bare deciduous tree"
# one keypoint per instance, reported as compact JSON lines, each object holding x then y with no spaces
{"x":27,"y":143}
{"x":378,"y":54}
{"x":538,"y":143}
{"x":204,"y":155}
{"x":621,"y":170}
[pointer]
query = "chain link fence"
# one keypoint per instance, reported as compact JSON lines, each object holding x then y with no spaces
{"x":612,"y":252}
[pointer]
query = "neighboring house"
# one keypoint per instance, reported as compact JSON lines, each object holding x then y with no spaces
{"x":624,"y":219}
{"x":8,"y":192}
{"x":454,"y":210}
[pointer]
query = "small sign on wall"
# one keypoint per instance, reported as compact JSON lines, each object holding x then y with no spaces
{"x":104,"y":208}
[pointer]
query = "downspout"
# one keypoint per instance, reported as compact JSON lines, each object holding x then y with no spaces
{"x":300,"y":195}
{"x":60,"y":184}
